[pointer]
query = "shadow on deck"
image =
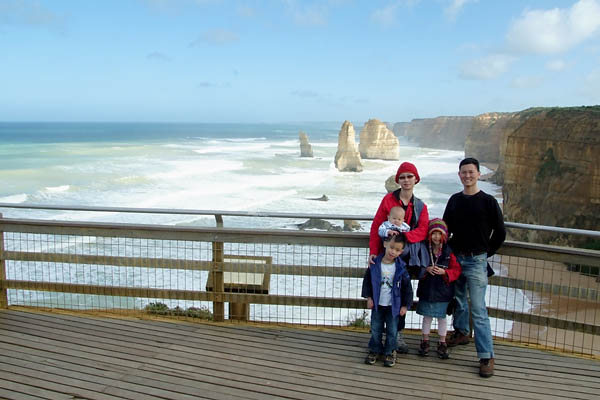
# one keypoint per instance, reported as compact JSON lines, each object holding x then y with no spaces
{"x":66,"y":356}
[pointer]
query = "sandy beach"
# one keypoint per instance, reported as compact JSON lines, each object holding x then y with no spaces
{"x":553,"y":305}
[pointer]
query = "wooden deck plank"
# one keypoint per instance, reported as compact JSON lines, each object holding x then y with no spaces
{"x":9,"y":394}
{"x":415,"y":393}
{"x":128,"y":386}
{"x":568,"y":362}
{"x":564,"y":362}
{"x":81,"y":364}
{"x":359,"y":361}
{"x":222,"y":361}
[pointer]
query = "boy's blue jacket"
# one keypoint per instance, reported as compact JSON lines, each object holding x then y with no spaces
{"x":402,"y":293}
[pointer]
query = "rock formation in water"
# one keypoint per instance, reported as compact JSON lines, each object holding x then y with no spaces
{"x":320,"y":224}
{"x":378,"y":142}
{"x":390,"y":184}
{"x":322,"y":198}
{"x":351,"y":225}
{"x":552,"y":171}
{"x":305,"y":147}
{"x":347,"y":157}
{"x":437,"y":133}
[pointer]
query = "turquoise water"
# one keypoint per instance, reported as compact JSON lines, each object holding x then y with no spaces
{"x":232,"y":167}
{"x":235,"y":167}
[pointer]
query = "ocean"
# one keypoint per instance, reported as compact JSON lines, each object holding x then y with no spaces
{"x":231,"y":167}
{"x":228,"y":167}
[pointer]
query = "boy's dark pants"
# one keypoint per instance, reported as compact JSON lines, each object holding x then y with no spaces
{"x":380,"y":318}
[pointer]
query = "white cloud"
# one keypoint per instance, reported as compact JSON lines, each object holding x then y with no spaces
{"x":527,"y":82}
{"x":216,"y":36}
{"x":556,"y":30}
{"x":455,"y":8}
{"x":27,"y":12}
{"x":158,"y":56}
{"x":308,"y":14}
{"x":388,"y":15}
{"x":385,"y":16}
{"x":488,"y":67}
{"x":556,"y":65}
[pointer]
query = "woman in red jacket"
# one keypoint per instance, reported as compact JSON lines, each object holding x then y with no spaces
{"x":416,"y":214}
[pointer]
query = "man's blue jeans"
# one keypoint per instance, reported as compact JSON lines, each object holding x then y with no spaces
{"x":474,"y":280}
{"x":383,"y":315}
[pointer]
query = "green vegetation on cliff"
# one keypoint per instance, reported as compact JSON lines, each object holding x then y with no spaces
{"x":559,"y":111}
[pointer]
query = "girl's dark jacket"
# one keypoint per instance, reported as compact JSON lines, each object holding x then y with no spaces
{"x":402,"y":293}
{"x":440,"y":288}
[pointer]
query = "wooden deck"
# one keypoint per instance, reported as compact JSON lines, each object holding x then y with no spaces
{"x":65,"y":356}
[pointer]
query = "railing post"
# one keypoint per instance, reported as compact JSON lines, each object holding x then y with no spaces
{"x":218,"y":284}
{"x":3,"y":290}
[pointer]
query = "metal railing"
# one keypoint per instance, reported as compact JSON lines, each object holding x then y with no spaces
{"x":273,"y":276}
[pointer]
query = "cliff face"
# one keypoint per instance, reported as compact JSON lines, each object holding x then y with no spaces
{"x":437,"y":133}
{"x":552,"y":171}
{"x":347,"y":157}
{"x":487,"y":138}
{"x":377,"y":141}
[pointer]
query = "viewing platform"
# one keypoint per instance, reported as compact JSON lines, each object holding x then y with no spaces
{"x":65,"y":356}
{"x":113,"y":310}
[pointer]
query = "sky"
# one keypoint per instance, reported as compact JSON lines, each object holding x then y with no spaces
{"x":273,"y":61}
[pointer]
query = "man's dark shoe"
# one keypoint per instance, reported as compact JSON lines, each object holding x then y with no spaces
{"x":424,"y":348}
{"x":456,"y":339}
{"x":371,"y":358}
{"x":402,"y":346}
{"x":390,"y":360}
{"x":486,"y":367}
{"x":442,"y":351}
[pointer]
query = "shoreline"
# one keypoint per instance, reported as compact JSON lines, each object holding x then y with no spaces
{"x":551,"y":305}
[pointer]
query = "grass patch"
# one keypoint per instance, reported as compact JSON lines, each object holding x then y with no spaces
{"x":192,"y":312}
{"x":360,"y":321}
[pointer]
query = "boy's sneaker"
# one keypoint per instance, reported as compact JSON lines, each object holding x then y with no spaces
{"x":424,"y":348}
{"x":486,"y":367}
{"x":371,"y":358}
{"x":442,"y":351}
{"x":402,"y":346}
{"x":390,"y":360}
{"x":456,"y":339}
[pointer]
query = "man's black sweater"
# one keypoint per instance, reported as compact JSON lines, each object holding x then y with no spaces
{"x":475,"y":222}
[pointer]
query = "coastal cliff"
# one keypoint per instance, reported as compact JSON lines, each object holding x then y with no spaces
{"x":437,"y":133}
{"x":487,"y":138}
{"x":552,"y":170}
{"x":378,"y":142}
{"x":347,"y":157}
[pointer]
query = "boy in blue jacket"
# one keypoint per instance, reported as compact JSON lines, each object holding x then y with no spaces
{"x":388,"y":290}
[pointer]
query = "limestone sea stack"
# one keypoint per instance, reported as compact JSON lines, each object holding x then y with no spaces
{"x":305,"y":147}
{"x":378,"y":142}
{"x":347,"y":157}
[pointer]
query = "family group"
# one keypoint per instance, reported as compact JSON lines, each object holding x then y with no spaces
{"x":448,"y":256}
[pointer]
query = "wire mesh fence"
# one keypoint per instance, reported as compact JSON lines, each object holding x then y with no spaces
{"x":537,"y":295}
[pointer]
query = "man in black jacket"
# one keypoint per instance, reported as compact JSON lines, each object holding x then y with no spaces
{"x":476,"y":224}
